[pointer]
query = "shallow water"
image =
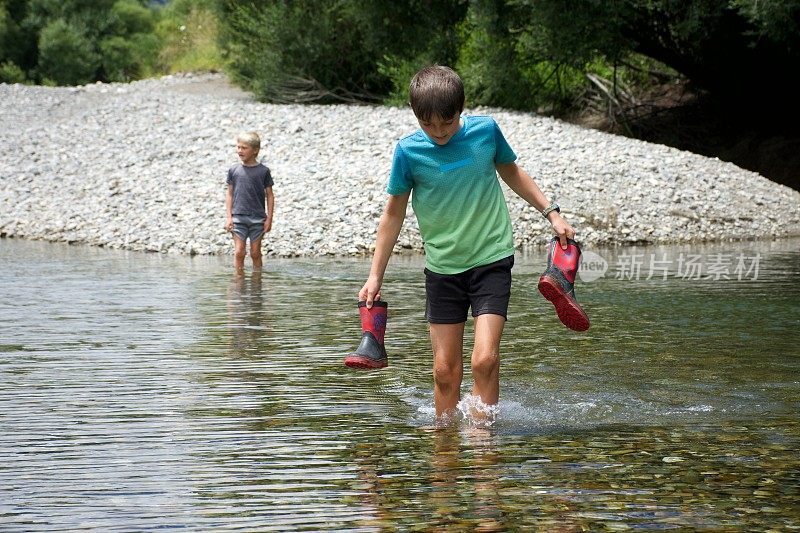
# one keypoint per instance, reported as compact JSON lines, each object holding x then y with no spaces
{"x":142,"y":392}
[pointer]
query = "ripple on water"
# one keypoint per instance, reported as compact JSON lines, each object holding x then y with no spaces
{"x":146,"y":391}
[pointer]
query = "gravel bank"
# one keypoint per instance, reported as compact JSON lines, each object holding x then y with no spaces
{"x":142,"y":166}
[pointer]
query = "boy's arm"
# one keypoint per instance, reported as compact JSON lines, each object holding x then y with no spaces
{"x":270,"y":209}
{"x":228,"y":208}
{"x":388,"y":230}
{"x":522,"y":184}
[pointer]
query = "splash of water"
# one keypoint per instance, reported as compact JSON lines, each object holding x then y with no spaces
{"x":476,"y":413}
{"x":470,"y":412}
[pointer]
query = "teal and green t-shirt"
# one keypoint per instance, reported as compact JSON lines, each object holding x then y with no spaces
{"x":456,"y":196}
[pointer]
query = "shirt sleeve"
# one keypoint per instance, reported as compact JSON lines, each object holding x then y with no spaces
{"x":400,"y":181}
{"x":267,"y":178}
{"x":503,"y":152}
{"x":229,"y":180}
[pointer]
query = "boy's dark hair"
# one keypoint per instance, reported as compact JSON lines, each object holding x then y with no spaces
{"x":436,"y":90}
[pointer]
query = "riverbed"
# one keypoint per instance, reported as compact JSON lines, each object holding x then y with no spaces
{"x":142,"y":166}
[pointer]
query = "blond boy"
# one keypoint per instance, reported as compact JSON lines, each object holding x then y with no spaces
{"x":249,"y":189}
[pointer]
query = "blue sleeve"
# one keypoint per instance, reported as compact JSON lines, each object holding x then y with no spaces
{"x":503,"y":152}
{"x":267,"y":178}
{"x":229,"y":181}
{"x":400,"y":181}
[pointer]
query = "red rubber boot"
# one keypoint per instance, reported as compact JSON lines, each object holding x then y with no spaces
{"x":370,"y":353}
{"x":557,"y":284}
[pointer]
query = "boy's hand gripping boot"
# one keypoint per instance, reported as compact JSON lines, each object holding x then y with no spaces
{"x":557,"y":284}
{"x":370,"y":353}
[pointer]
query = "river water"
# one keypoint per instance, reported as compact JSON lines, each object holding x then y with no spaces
{"x":141,"y":392}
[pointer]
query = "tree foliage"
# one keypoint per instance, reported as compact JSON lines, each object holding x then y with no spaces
{"x":75,"y":41}
{"x":529,"y":54}
{"x":314,"y":50}
{"x":66,"y":55}
{"x":734,"y":48}
{"x":515,"y":53}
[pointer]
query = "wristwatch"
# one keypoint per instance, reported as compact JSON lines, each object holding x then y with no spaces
{"x":550,"y":208}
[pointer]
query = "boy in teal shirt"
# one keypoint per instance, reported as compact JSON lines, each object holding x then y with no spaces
{"x":451,"y":165}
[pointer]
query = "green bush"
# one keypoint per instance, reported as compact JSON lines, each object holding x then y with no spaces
{"x":126,"y":59}
{"x":129,"y":17}
{"x":11,"y":73}
{"x":146,"y":48}
{"x":487,"y":61}
{"x":129,"y":47}
{"x":399,"y":71}
{"x":76,"y":41}
{"x":345,"y":50}
{"x":303,"y":51}
{"x":15,"y":44}
{"x":119,"y":62}
{"x":66,"y":55}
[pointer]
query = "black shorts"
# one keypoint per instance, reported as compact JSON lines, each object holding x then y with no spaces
{"x":486,"y":289}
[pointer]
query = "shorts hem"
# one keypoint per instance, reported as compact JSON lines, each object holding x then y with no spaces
{"x":498,"y":312}
{"x":434,"y":320}
{"x":248,"y":237}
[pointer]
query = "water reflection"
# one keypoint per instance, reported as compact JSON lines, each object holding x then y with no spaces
{"x":247,"y":317}
{"x":454,"y":482}
{"x":471,"y":501}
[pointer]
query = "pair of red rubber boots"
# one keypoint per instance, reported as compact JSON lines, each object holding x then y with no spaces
{"x":557,"y":284}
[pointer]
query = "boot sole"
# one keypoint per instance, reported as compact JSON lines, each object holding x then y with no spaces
{"x":359,"y":361}
{"x":569,"y":312}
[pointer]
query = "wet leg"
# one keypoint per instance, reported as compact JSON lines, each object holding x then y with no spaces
{"x":448,"y":349}
{"x":238,"y":253}
{"x":486,"y":357}
{"x":255,"y":254}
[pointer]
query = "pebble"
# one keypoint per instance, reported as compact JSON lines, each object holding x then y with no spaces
{"x":142,"y":166}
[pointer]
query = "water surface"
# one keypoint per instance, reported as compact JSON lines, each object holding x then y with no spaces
{"x":142,"y":392}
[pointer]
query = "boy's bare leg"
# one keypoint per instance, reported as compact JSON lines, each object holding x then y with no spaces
{"x":255,"y":254}
{"x":238,"y":253}
{"x":486,"y":357}
{"x":448,"y":349}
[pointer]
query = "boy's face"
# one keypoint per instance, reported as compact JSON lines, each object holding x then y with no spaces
{"x":441,"y":130}
{"x":246,"y":153}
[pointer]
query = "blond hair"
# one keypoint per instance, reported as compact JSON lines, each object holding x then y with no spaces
{"x":249,"y":138}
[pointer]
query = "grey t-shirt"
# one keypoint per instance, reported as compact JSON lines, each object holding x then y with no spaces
{"x":248,"y":189}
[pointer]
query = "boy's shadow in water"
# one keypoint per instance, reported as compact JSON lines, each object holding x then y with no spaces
{"x":247,"y":322}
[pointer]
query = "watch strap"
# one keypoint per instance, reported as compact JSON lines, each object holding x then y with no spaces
{"x":550,"y":208}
